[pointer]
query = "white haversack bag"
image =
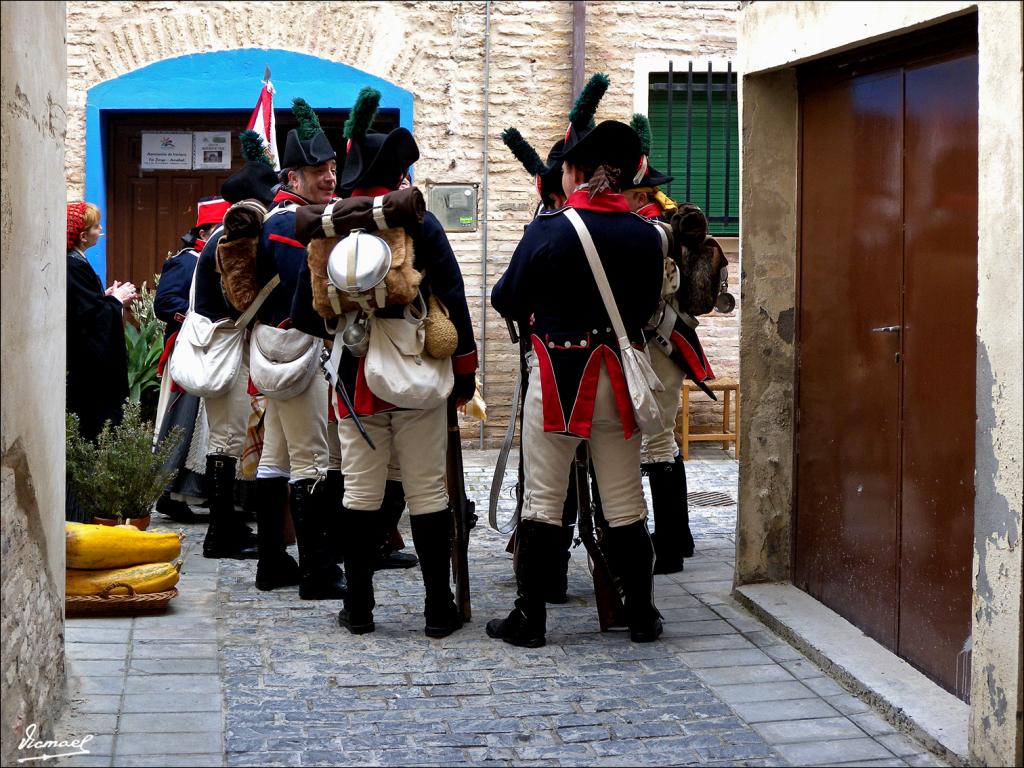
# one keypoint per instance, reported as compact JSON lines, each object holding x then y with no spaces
{"x":398,"y":370}
{"x":283,"y":361}
{"x":206,"y":355}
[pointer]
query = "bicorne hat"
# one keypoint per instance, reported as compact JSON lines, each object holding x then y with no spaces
{"x":256,"y":179}
{"x":307,"y":144}
{"x":652,"y":177}
{"x":610,"y":143}
{"x":374,"y":159}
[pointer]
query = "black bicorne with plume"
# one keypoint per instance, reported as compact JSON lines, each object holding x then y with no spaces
{"x":307,"y":144}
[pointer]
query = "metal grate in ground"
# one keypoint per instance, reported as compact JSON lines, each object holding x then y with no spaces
{"x":710,"y":499}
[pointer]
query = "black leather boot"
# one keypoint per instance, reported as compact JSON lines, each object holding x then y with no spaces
{"x":322,"y":579}
{"x":178,"y":511}
{"x":631,"y":556}
{"x":360,"y":554}
{"x":335,"y":530}
{"x":276,"y":568}
{"x":538,"y":545}
{"x":227,"y":535}
{"x":672,"y":538}
{"x":432,"y":537}
{"x":387,"y":521}
{"x":557,"y":592}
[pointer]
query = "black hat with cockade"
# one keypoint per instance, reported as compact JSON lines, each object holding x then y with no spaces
{"x":307,"y":144}
{"x":256,"y":179}
{"x":609,"y":143}
{"x":374,"y":159}
{"x":652,"y":177}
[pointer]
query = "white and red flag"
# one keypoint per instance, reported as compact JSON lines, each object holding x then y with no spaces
{"x":263,"y":122}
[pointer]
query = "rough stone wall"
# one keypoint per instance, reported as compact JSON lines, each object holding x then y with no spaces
{"x":437,"y":51}
{"x":769,"y":210}
{"x":32,"y":289}
{"x":997,"y":730}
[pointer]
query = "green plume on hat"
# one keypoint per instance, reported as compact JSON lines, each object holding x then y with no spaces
{"x":524,"y":151}
{"x":252,"y":148}
{"x":642,"y":126}
{"x":582,"y":115}
{"x":361,"y":117}
{"x":309,"y":124}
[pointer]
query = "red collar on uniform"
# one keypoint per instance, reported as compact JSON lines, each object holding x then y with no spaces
{"x":651,"y":211}
{"x":605,"y":202}
{"x":198,"y":246}
{"x":370,"y":191}
{"x":284,"y":195}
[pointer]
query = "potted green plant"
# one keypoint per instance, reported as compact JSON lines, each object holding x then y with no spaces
{"x":118,"y":478}
{"x":144,"y":340}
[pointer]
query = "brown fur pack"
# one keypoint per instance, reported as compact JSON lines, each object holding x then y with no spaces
{"x":699,"y":278}
{"x":401,"y":281}
{"x":236,"y":263}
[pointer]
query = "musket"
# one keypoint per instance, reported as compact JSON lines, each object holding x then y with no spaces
{"x":332,"y":375}
{"x":463,"y":513}
{"x":608,"y":593}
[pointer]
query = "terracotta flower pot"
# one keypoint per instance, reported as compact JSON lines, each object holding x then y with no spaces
{"x":142,"y":523}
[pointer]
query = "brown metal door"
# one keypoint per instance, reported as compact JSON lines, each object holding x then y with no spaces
{"x":850,"y":242}
{"x":886,"y":346}
{"x":940,"y":298}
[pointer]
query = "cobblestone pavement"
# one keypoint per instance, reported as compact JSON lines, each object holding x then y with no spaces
{"x":239,"y":677}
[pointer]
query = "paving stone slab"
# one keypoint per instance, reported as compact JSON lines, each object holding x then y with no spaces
{"x":748,"y":692}
{"x":824,"y":752}
{"x":810,"y":730}
{"x":795,"y":709}
{"x":763,"y":673}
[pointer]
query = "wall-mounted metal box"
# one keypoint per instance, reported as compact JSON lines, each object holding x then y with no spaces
{"x":454,"y":205}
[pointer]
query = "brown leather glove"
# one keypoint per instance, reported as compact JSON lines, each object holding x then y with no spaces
{"x":689,"y":226}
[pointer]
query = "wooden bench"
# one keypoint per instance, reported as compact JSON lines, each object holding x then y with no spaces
{"x":730,"y":432}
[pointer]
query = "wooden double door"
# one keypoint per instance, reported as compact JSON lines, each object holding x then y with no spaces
{"x":886,"y":347}
{"x":148,"y":211}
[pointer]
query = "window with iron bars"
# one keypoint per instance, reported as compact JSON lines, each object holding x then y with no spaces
{"x":695,"y":138}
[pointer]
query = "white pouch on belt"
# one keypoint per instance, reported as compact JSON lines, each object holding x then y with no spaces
{"x":398,"y":370}
{"x":282,"y":361}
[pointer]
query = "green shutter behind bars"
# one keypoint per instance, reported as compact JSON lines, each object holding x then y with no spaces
{"x":724,"y":118}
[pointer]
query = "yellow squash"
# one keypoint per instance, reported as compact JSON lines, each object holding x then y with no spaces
{"x":106,"y":546}
{"x":144,"y":579}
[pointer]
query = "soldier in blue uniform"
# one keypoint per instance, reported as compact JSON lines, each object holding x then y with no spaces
{"x":414,"y":439}
{"x":181,"y":408}
{"x":295,"y":452}
{"x":227,"y":416}
{"x":577,"y":390}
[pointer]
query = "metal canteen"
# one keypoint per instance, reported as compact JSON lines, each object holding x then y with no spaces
{"x":358,"y":263}
{"x":726,"y":302}
{"x":356,"y":339}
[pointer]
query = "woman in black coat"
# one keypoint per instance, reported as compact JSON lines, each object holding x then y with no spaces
{"x":97,"y":360}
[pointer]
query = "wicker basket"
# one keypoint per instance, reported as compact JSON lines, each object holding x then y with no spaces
{"x":108,"y":604}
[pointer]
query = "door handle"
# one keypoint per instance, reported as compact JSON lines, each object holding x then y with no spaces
{"x":887,"y":329}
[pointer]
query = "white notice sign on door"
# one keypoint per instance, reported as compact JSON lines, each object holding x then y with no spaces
{"x":212,"y":150}
{"x":166,"y":151}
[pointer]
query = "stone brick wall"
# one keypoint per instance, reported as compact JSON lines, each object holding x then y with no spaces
{"x":32,"y":260}
{"x":437,"y":51}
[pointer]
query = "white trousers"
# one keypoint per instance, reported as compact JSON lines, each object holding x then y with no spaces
{"x":295,"y":435}
{"x":662,"y":446}
{"x":416,"y":441}
{"x":548,"y":457}
{"x":334,"y":451}
{"x":228,"y":415}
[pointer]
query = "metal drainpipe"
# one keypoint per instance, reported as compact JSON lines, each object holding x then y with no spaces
{"x":483,"y":205}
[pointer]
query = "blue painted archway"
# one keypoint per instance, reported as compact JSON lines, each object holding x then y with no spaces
{"x":233,"y":80}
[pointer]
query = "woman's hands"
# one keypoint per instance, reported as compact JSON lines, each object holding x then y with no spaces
{"x":123,"y":292}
